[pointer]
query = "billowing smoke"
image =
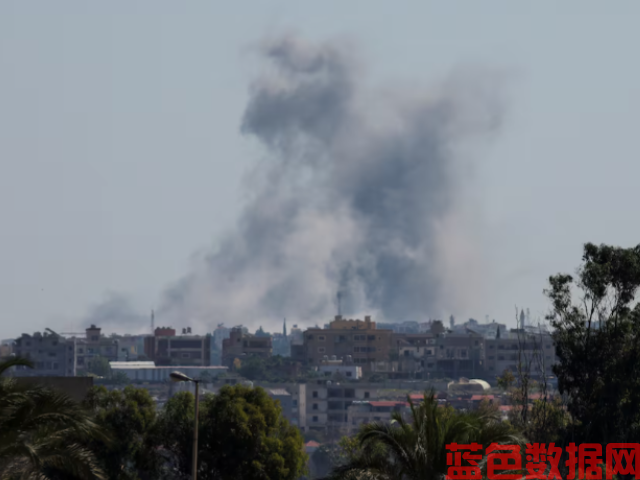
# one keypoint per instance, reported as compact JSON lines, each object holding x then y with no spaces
{"x":358,"y":194}
{"x":116,"y":312}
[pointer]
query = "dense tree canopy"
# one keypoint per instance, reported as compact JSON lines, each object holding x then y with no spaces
{"x":129,"y":415}
{"x":257,"y":443}
{"x":596,"y":324}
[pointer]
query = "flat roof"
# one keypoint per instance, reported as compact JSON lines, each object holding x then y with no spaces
{"x":137,"y":365}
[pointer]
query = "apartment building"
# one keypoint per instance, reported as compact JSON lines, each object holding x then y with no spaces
{"x":456,"y":355}
{"x":359,"y":339}
{"x":166,"y":348}
{"x":533,"y":349}
{"x":328,"y":404}
{"x":242,"y":344}
{"x":52,"y":355}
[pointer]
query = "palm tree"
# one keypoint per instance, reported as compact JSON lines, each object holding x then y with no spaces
{"x":416,"y":449}
{"x":43,"y":433}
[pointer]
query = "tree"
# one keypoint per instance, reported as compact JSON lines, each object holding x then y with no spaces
{"x":507,"y":380}
{"x":130,"y":416}
{"x":597,"y":338}
{"x":99,"y":366}
{"x":416,"y":449}
{"x":253,"y":368}
{"x":258,"y":442}
{"x":43,"y":433}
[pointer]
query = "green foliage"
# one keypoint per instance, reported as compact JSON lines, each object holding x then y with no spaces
{"x":507,"y":380}
{"x":415,"y":448}
{"x":99,"y":366}
{"x":130,"y":416}
{"x":43,"y":433}
{"x":258,"y":442}
{"x":597,"y":337}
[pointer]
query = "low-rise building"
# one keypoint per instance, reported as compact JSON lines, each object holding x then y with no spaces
{"x":338,"y":368}
{"x":149,"y":372}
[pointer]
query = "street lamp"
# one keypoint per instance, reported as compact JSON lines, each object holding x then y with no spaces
{"x":181,"y":377}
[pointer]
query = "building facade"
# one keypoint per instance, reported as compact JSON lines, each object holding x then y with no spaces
{"x":328,"y":404}
{"x":358,"y":339}
{"x":241,"y":344}
{"x":52,"y":355}
{"x":165,"y":348}
{"x":534,"y":351}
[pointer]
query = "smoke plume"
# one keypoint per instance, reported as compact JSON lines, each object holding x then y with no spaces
{"x":357,"y":194}
{"x":117,"y":312}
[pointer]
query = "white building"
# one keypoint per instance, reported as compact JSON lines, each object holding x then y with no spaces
{"x":149,"y":372}
{"x":352,"y":372}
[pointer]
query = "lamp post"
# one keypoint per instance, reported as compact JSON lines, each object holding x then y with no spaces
{"x":181,"y":377}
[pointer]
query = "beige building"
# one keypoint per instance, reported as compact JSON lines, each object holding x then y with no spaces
{"x":358,"y":341}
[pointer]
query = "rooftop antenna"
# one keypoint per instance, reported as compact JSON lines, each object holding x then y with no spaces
{"x":339,"y":298}
{"x":153,"y":316}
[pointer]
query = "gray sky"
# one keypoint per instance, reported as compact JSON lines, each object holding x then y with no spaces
{"x":121,"y":155}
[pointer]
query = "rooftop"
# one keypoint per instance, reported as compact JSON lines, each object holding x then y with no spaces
{"x":277,"y":391}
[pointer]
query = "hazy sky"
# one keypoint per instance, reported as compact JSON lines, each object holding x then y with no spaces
{"x":121,"y":155}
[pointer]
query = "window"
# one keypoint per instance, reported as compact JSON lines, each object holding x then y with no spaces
{"x":294,"y":403}
{"x":321,"y":338}
{"x":477,"y":343}
{"x":491,"y":357}
{"x":349,"y":373}
{"x":500,"y":357}
{"x":366,"y":394}
{"x":184,"y":355}
{"x":371,"y":337}
{"x":53,"y":354}
{"x":315,"y":406}
{"x":315,"y":419}
{"x":491,"y":347}
{"x":315,"y":394}
{"x":321,"y":349}
{"x":310,"y":337}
